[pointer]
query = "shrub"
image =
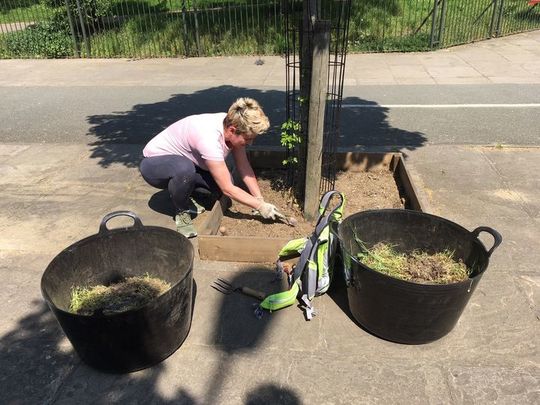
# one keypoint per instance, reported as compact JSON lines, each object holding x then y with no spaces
{"x":92,"y":9}
{"x":48,"y":39}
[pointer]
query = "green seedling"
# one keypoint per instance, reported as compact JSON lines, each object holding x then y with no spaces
{"x":290,"y":138}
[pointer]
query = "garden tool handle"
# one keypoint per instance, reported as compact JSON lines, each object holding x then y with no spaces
{"x":286,"y":220}
{"x":497,"y":238}
{"x":253,"y":293}
{"x":281,"y":216}
{"x":103,"y":226}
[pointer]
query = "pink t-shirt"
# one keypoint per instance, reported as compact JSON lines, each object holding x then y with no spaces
{"x":197,"y":137}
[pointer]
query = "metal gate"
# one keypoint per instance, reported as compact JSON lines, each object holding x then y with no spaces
{"x":456,"y":22}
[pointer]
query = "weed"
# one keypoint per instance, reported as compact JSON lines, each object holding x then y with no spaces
{"x":417,"y":266}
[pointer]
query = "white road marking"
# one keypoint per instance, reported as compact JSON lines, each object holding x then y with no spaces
{"x":528,"y":105}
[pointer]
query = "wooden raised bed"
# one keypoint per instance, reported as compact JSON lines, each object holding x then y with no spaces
{"x":264,"y":250}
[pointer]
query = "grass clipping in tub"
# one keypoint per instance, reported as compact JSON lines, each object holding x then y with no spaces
{"x":130,"y":293}
{"x":417,"y":266}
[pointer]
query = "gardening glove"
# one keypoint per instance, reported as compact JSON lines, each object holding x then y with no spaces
{"x":268,"y":210}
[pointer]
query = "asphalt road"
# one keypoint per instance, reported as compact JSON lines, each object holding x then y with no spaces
{"x":373,"y":116}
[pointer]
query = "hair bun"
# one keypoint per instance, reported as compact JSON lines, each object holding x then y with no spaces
{"x":244,"y":103}
{"x":247,"y":115}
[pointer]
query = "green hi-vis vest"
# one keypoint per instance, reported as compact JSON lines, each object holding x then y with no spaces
{"x":313,"y":272}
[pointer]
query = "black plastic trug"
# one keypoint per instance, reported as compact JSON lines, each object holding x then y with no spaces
{"x":403,"y":311}
{"x":135,"y":339}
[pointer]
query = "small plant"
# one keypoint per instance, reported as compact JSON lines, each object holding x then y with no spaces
{"x":290,"y":138}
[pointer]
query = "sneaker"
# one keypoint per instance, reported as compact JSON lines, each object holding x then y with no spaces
{"x":184,"y":225}
{"x":195,"y":208}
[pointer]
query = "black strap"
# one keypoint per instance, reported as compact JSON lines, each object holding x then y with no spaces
{"x":310,"y":251}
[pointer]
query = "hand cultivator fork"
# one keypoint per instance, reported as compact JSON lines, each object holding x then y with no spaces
{"x":224,"y":287}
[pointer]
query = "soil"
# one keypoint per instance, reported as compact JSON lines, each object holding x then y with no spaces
{"x":374,"y":189}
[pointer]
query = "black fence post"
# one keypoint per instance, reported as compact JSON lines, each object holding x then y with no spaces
{"x":442,"y":26}
{"x":438,"y":21}
{"x":83,"y":28}
{"x":76,"y":50}
{"x":433,"y":23}
{"x":499,"y":18}
{"x":197,"y":38}
{"x":185,"y":30}
{"x":493,"y":18}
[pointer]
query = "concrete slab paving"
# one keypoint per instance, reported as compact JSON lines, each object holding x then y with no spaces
{"x":231,"y":357}
{"x":465,"y":64}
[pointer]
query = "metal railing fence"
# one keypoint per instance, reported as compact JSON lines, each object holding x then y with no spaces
{"x":139,"y":28}
{"x":173,"y":28}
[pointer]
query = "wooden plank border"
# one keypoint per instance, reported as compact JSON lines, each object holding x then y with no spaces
{"x":264,"y":250}
{"x":240,"y":248}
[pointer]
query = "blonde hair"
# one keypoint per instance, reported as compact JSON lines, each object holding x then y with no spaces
{"x":247,"y":116}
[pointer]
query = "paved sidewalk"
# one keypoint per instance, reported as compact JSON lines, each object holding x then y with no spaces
{"x":512,"y":59}
{"x":54,"y":194}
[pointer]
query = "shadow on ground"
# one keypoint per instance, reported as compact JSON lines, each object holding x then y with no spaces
{"x":32,"y":364}
{"x":38,"y":365}
{"x":338,"y":292}
{"x":238,"y":330}
{"x":359,"y":127}
{"x":144,"y":121}
{"x":370,"y":128}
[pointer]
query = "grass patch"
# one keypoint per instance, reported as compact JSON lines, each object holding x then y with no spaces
{"x":151,"y":37}
{"x":131,"y":293}
{"x":417,"y":266}
{"x":418,"y":42}
{"x":155,"y":28}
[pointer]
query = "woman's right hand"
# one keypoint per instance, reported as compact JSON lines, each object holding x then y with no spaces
{"x":268,"y":210}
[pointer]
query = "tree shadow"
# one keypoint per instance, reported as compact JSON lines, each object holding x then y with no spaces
{"x":144,"y":121}
{"x":238,"y":330}
{"x":338,"y":291}
{"x":270,"y":394}
{"x":38,"y":365}
{"x":367,"y":128}
{"x":6,"y":6}
{"x":30,"y":359}
{"x":365,"y":124}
